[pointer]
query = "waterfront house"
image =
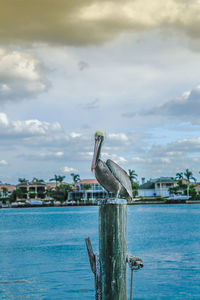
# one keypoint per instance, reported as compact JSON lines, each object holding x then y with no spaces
{"x":31,"y":190}
{"x":157,"y":187}
{"x":87,"y":190}
{"x":6,"y":190}
{"x":197,"y":189}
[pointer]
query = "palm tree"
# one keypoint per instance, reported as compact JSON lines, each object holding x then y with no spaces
{"x":188,"y":176}
{"x":21,"y":180}
{"x":37,"y":180}
{"x":55,"y":178}
{"x":61,"y":178}
{"x":179,"y":176}
{"x":5,"y":192}
{"x":76,"y":177}
{"x":132,"y":175}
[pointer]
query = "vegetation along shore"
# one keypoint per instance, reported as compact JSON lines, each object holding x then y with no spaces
{"x":183,"y":188}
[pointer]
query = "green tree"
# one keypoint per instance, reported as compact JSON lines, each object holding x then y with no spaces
{"x":22,"y":180}
{"x":18,"y":193}
{"x":61,"y":192}
{"x":189,"y":176}
{"x":75,"y":177}
{"x":50,"y":193}
{"x":174,"y":190}
{"x":193,"y":193}
{"x":61,"y":178}
{"x":5,"y":195}
{"x":37,"y":180}
{"x":179,"y":176}
{"x":32,"y":195}
{"x":135,"y":187}
{"x":5,"y":192}
{"x":132,"y":175}
{"x":55,"y":178}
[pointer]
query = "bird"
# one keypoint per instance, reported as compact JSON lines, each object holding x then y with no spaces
{"x":109,"y":174}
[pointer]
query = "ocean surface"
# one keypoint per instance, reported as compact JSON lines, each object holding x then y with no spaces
{"x":43,"y":253}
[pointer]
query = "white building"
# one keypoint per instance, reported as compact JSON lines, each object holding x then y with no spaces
{"x":87,"y":190}
{"x":157,"y":187}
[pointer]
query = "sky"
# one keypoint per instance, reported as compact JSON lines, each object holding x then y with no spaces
{"x":68,"y":68}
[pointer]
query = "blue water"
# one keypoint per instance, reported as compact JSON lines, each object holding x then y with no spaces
{"x":43,"y":254}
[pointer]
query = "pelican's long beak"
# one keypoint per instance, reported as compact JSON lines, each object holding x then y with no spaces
{"x":96,"y":154}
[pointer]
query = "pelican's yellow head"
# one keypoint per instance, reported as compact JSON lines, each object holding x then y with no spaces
{"x":99,"y":133}
{"x":99,"y":138}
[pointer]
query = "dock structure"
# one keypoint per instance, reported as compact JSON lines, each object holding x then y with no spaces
{"x":109,"y":266}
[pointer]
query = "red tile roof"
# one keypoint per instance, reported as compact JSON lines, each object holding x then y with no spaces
{"x":54,"y":184}
{"x":197,"y":187}
{"x":9,"y":187}
{"x":88,"y":181}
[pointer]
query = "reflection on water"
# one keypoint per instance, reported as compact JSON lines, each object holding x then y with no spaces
{"x":14,"y":281}
{"x":43,"y":254}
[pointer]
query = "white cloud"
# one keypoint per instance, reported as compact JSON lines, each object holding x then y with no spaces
{"x":116,"y":158}
{"x":67,"y":169}
{"x":3,"y":162}
{"x":50,"y":155}
{"x":59,"y":153}
{"x":185,"y":106}
{"x":141,"y":160}
{"x":21,"y":75}
{"x":27,"y":127}
{"x":75,"y":135}
{"x":120,"y":137}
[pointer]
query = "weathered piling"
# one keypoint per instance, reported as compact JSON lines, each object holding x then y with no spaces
{"x":112,"y":248}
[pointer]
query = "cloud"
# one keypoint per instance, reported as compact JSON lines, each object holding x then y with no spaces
{"x":188,"y":104}
{"x":3,"y":162}
{"x":119,"y":137}
{"x":50,"y":155}
{"x":38,"y":147}
{"x":82,"y":65}
{"x":116,"y":158}
{"x":90,"y":22}
{"x":183,"y":108}
{"x":67,"y":169}
{"x":94,"y":104}
{"x":25,"y":128}
{"x":21,"y":75}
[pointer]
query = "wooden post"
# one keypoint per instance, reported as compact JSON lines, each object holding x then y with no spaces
{"x":112,"y":248}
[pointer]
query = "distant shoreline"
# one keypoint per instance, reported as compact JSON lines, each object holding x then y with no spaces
{"x":95,"y":204}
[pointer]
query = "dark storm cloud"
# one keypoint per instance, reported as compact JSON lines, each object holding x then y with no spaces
{"x":185,"y":107}
{"x":87,"y":22}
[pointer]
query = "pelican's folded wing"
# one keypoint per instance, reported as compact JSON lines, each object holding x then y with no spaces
{"x":121,"y":175}
{"x":105,"y":177}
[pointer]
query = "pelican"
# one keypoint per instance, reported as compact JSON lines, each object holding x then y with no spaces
{"x":111,"y":176}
